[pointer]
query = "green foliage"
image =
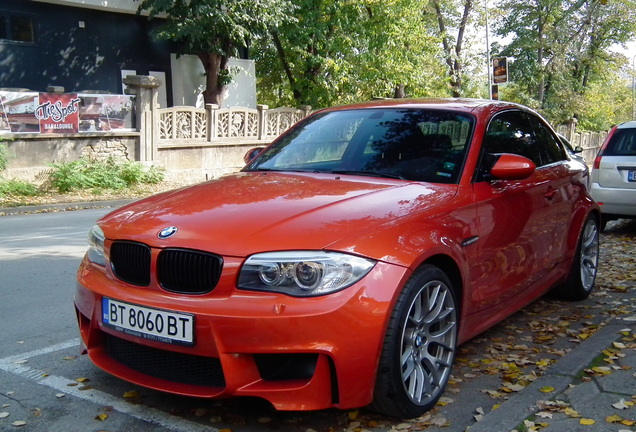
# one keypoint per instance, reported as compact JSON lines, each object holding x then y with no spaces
{"x":17,"y":187}
{"x":221,"y":26}
{"x":561,"y":55}
{"x":107,"y":174}
{"x":338,"y":52}
{"x":215,"y":30}
{"x":3,"y":157}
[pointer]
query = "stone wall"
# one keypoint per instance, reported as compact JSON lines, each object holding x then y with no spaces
{"x":30,"y":156}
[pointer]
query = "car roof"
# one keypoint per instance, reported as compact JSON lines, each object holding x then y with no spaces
{"x":627,"y":125}
{"x":475,"y":106}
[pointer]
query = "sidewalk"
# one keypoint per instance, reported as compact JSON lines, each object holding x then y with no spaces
{"x":568,"y":399}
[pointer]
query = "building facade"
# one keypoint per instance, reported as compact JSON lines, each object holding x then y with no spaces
{"x":88,"y":46}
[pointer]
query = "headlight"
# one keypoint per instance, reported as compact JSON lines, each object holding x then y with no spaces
{"x":302,"y":273}
{"x":95,"y":251}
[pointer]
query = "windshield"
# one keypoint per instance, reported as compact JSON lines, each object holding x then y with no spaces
{"x":410,"y":144}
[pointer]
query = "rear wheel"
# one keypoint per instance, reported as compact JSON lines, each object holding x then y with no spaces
{"x":585,"y":265}
{"x":419,"y":346}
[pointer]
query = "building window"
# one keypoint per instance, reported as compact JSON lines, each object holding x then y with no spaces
{"x":16,"y":28}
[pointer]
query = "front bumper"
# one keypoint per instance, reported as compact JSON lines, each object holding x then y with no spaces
{"x":297,"y":353}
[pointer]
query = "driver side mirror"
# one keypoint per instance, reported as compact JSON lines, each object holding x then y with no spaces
{"x":252,"y":153}
{"x":512,"y":167}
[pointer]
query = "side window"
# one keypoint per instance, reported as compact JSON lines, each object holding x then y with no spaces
{"x":16,"y":28}
{"x":549,"y":149}
{"x":508,"y":132}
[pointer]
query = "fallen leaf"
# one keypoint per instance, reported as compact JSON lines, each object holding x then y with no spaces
{"x":60,"y":395}
{"x":131,"y":394}
{"x":602,"y":370}
{"x":81,"y":380}
{"x":439,"y":421}
{"x":19,"y":423}
{"x":20,"y":362}
{"x":546,"y":389}
{"x":622,"y":404}
{"x":101,"y":417}
{"x":587,"y":422}
{"x":4,"y":415}
{"x":353,"y":414}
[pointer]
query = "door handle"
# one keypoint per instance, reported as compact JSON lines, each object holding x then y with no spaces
{"x":551,"y":193}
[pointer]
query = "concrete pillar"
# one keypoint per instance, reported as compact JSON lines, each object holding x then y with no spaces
{"x":211,"y":108}
{"x":262,"y":121}
{"x":145,"y":87}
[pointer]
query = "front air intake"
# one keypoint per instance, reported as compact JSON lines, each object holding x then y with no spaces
{"x":188,"y":271}
{"x":130,"y":262}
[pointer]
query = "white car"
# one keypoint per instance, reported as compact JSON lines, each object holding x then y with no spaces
{"x":614,"y":174}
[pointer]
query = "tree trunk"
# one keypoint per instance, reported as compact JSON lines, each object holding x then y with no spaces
{"x":214,"y":64}
{"x":453,"y":54}
{"x":283,"y":59}
{"x":399,"y":92}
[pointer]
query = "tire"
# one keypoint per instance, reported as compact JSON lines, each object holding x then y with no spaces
{"x":419,"y":346}
{"x":582,"y":277}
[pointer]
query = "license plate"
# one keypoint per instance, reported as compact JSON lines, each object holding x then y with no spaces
{"x":631,"y":176}
{"x":149,"y":323}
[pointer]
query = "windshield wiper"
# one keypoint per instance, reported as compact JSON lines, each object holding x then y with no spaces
{"x":371,"y":173}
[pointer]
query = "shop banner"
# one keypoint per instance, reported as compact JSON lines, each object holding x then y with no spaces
{"x":66,"y":113}
{"x":58,"y":113}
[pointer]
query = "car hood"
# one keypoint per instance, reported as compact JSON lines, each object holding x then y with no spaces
{"x":247,"y":213}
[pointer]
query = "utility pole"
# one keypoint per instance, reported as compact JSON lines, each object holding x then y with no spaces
{"x":634,"y":88}
{"x":488,"y":65}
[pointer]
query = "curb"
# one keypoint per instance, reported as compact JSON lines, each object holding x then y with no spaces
{"x":50,"y":208}
{"x":519,"y":407}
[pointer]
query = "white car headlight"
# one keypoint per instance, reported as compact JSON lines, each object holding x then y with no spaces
{"x":95,"y":251}
{"x":302,"y":273}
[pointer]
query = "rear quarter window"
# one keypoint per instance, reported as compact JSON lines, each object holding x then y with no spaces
{"x":622,"y":143}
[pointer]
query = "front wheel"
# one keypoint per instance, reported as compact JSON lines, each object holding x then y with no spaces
{"x":585,"y":265}
{"x":419,"y":346}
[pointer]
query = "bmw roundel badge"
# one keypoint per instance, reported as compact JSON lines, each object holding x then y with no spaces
{"x":167,"y":232}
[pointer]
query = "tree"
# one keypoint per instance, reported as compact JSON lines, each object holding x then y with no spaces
{"x":446,"y":15}
{"x":342,"y":51}
{"x":215,"y":30}
{"x":561,"y":48}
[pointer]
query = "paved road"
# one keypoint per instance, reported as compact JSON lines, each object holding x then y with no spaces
{"x":42,"y":377}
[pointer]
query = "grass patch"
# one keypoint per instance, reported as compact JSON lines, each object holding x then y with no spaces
{"x":85,"y":174}
{"x":17,"y":188}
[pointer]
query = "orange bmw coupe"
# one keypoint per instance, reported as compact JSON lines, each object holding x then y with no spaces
{"x":346,"y":262}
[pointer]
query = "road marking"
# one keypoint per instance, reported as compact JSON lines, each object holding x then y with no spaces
{"x":15,"y":365}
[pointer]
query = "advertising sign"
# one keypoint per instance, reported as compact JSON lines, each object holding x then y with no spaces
{"x":500,"y":70}
{"x":70,"y":113}
{"x":58,"y":113}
